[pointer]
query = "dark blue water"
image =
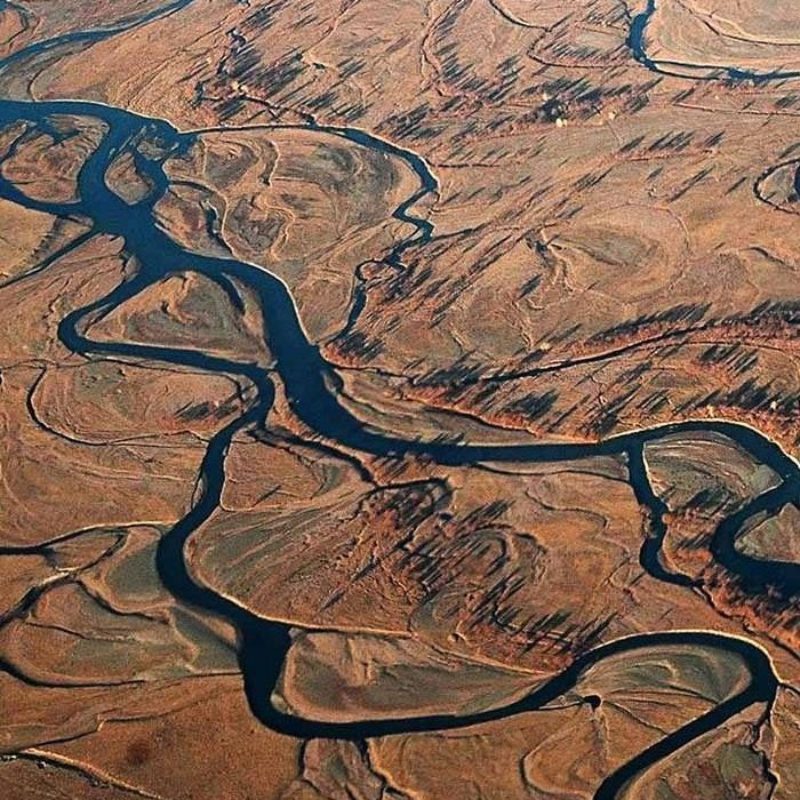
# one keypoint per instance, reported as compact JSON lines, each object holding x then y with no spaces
{"x":263,"y":644}
{"x":637,"y":44}
{"x":85,"y":38}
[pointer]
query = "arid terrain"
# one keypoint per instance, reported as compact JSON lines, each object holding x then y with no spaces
{"x":399,"y":401}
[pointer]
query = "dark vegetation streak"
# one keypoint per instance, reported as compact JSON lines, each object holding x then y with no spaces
{"x":263,"y":644}
{"x":306,"y":376}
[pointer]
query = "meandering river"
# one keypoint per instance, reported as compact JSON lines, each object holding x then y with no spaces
{"x":305,"y":375}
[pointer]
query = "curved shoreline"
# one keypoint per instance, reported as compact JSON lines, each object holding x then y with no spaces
{"x":638,"y":48}
{"x":263,"y":643}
